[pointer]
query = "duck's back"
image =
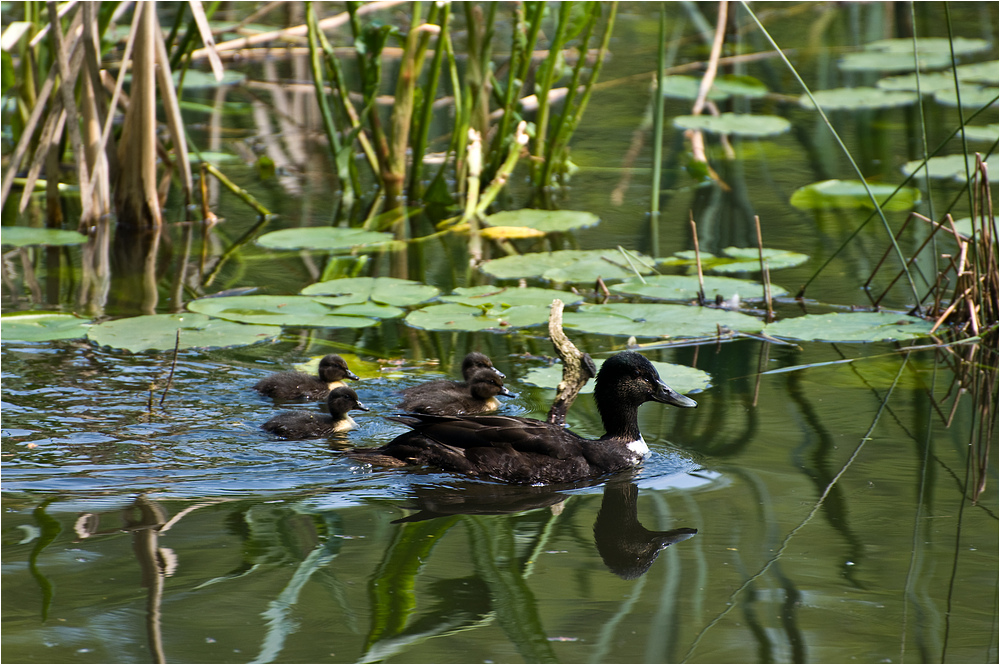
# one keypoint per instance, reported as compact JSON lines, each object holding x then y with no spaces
{"x":508,"y":448}
{"x":292,"y":385}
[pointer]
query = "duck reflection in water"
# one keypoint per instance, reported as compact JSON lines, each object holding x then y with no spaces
{"x":627,"y":548}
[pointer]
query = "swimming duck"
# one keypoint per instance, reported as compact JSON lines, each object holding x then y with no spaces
{"x":299,"y":385}
{"x":477,"y":395}
{"x":313,"y":424}
{"x":472,"y":362}
{"x":526,"y":451}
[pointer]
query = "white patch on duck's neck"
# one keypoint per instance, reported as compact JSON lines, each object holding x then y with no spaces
{"x":345,"y":425}
{"x":335,"y":384}
{"x":638,"y":447}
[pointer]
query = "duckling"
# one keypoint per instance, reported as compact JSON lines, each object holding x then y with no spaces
{"x":478,"y":395}
{"x":532,"y":452}
{"x":285,"y":386}
{"x":310,"y":425}
{"x":472,"y":362}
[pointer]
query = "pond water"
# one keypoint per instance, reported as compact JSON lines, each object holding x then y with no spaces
{"x":843,"y":513}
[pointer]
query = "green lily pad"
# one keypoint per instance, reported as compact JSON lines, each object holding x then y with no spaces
{"x":852,"y":194}
{"x":159,"y":332}
{"x":736,"y":84}
{"x":950,"y":166}
{"x":685,"y":287}
{"x":322,"y":238}
{"x":656,"y":320}
{"x":973,"y":96}
{"x":852,"y":99}
{"x":384,"y":290}
{"x":42,"y":326}
{"x":737,"y":259}
{"x":872,"y":61}
{"x":981,"y":133}
{"x":22,"y":236}
{"x":929,"y":82}
{"x":740,"y":124}
{"x":851,"y":327}
{"x":491,"y":297}
{"x":985,"y":73}
{"x":370,"y":309}
{"x":926,"y":45}
{"x":686,"y":87}
{"x":567,"y":265}
{"x":299,"y":311}
{"x":453,"y":316}
{"x":681,"y":378}
{"x":546,"y":221}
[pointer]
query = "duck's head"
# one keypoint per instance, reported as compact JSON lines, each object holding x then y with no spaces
{"x":334,"y":368}
{"x":475,"y":361}
{"x":343,"y":399}
{"x":629,"y":379}
{"x":484,"y":384}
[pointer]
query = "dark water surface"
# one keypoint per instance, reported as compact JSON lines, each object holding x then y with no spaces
{"x":833,"y":504}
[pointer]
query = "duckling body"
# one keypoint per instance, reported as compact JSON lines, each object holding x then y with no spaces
{"x":477,"y":395}
{"x":313,"y":424}
{"x":285,"y":386}
{"x":527,"y":451}
{"x":428,"y":392}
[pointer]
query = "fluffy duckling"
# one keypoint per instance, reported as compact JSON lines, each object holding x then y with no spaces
{"x":472,"y":362}
{"x":284,"y":386}
{"x":478,"y":395}
{"x":527,"y":451}
{"x":312,"y":424}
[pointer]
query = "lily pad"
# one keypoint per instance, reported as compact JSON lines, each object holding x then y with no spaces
{"x":736,"y":84}
{"x":567,"y":265}
{"x":852,"y":194}
{"x":546,"y":221}
{"x":737,"y":259}
{"x":851,"y":327}
{"x":322,"y":238}
{"x":740,"y":124}
{"x":22,"y":236}
{"x":973,"y":96}
{"x":453,"y":316}
{"x":491,"y":297}
{"x":852,"y":99}
{"x":384,"y":290}
{"x":656,"y":320}
{"x":681,"y":378}
{"x":950,"y":166}
{"x":986,"y":73}
{"x":929,"y":82}
{"x":686,"y":87}
{"x":685,"y":287}
{"x":159,"y":332}
{"x":981,"y":133}
{"x":299,"y":311}
{"x":370,"y":309}
{"x":926,"y":45}
{"x":42,"y":326}
{"x":873,"y":61}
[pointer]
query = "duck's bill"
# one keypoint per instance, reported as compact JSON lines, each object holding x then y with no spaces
{"x":352,"y":376}
{"x":668,"y":395}
{"x":362,"y":407}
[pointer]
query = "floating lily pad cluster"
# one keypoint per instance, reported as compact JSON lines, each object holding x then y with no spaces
{"x":489,"y":308}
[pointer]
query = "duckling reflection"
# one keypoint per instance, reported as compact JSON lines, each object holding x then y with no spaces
{"x":626,"y":546}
